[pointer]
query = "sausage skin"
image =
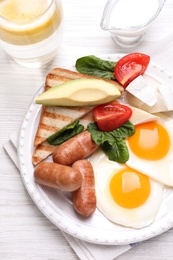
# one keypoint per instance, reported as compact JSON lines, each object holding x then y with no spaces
{"x":58,"y":176}
{"x":76,"y":148}
{"x":84,"y":199}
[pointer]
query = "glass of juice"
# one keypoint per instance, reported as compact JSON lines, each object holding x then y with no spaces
{"x":31,"y":30}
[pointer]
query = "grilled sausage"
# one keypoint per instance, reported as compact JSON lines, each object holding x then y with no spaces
{"x":58,"y":176}
{"x":84,"y":199}
{"x":76,"y":148}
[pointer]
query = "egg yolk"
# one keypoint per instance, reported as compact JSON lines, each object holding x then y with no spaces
{"x":129,"y":188}
{"x":150,"y":141}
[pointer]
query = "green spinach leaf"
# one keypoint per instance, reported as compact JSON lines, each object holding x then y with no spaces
{"x":125,"y":131}
{"x":117,"y":152}
{"x":94,"y":66}
{"x":113,"y":143}
{"x":66,"y":133}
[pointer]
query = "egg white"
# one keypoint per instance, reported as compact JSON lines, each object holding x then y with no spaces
{"x":160,"y":170}
{"x":137,"y":217}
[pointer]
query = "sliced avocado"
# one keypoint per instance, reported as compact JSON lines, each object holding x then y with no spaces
{"x":79,"y":92}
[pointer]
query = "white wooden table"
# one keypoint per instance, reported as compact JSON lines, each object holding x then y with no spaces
{"x":24,"y":231}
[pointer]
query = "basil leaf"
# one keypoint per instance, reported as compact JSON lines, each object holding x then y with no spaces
{"x":66,"y":133}
{"x":113,"y":143}
{"x":94,"y":66}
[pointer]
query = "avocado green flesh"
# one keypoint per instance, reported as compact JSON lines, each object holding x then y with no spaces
{"x":79,"y":92}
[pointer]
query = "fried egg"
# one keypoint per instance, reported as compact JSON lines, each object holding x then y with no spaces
{"x":151,"y":149}
{"x":124,"y":195}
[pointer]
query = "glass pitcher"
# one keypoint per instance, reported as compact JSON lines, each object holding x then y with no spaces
{"x":127,"y":20}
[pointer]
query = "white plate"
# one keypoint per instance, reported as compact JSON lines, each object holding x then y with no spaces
{"x":57,"y":206}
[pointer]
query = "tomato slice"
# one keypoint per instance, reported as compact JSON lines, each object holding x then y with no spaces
{"x":111,"y":115}
{"x":130,"y":66}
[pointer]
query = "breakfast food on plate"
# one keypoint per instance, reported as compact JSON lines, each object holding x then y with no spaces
{"x":126,"y":193}
{"x":76,"y":148}
{"x":41,"y":152}
{"x":141,"y":91}
{"x":123,"y":158}
{"x":84,"y":199}
{"x":151,"y":149}
{"x":111,"y":115}
{"x":125,"y":196}
{"x":130,"y":66}
{"x":44,"y":149}
{"x":124,"y":70}
{"x":58,"y":176}
{"x":80,"y":92}
{"x":70,"y":75}
{"x":150,"y":95}
{"x":54,"y":118}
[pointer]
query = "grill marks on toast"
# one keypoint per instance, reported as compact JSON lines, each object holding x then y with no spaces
{"x":43,"y":150}
{"x":54,"y":80}
{"x":54,"y":118}
{"x":69,"y":75}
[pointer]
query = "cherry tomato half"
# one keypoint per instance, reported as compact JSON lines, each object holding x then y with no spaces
{"x":130,"y":66}
{"x":111,"y":115}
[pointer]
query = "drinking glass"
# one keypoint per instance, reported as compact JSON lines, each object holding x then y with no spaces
{"x":31,"y":30}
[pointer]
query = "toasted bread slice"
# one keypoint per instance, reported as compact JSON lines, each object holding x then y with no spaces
{"x":68,"y":74}
{"x":53,"y":80}
{"x":54,"y":118}
{"x":43,"y":150}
